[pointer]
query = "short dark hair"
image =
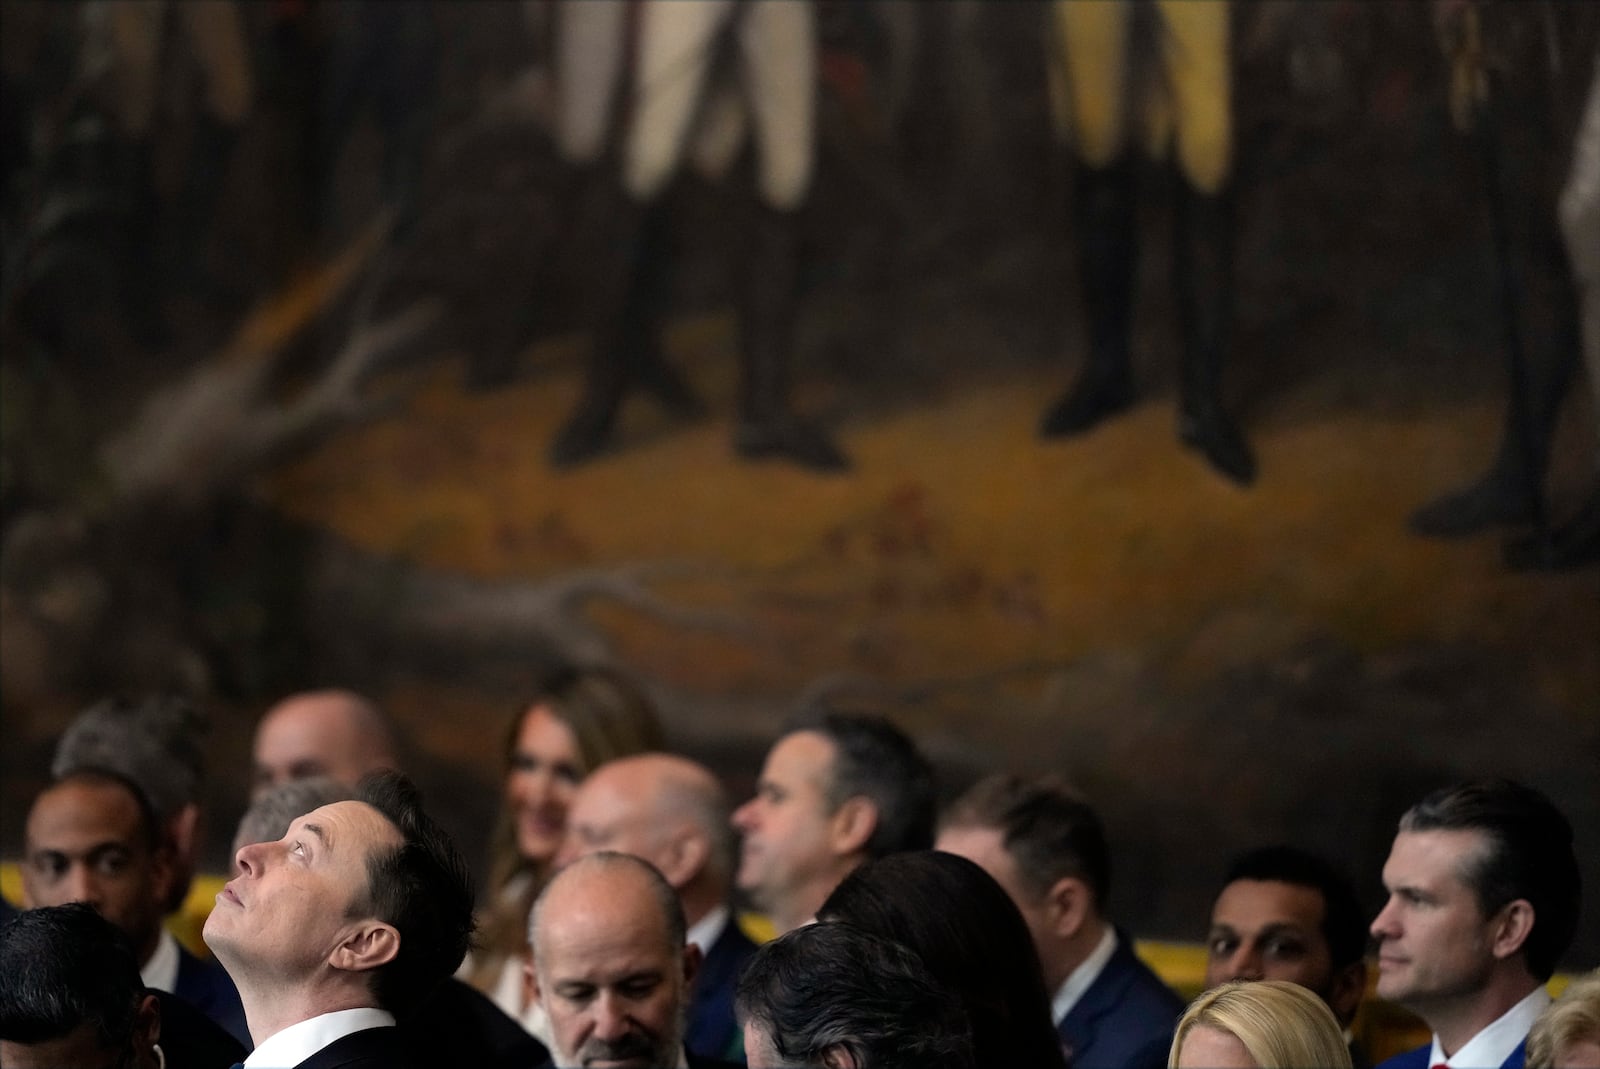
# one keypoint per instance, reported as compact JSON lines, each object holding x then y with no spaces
{"x":422,"y":887}
{"x":1528,"y":855}
{"x":833,"y":985}
{"x":876,"y":760}
{"x":973,"y":940}
{"x":1050,"y":831}
{"x":64,"y":967}
{"x":1344,"y":922}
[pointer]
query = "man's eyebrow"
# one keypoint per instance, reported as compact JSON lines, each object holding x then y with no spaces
{"x":320,"y":832}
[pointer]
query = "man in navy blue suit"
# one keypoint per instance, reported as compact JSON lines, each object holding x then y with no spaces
{"x":1483,"y":891}
{"x":1045,"y":845}
{"x":674,"y":814}
{"x":92,"y":836}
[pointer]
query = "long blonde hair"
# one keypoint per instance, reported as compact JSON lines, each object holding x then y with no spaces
{"x":610,"y":716}
{"x":1573,"y":1018}
{"x":1282,"y":1025}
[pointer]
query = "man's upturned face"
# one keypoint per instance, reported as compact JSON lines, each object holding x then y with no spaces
{"x":1434,"y":943}
{"x":86,"y":843}
{"x":613,"y":987}
{"x":786,"y":825}
{"x":1269,"y":930}
{"x":294,"y":900}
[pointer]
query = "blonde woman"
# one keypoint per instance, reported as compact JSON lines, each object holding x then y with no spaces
{"x":1567,"y":1034}
{"x":1261,"y":1024}
{"x":580,"y":719}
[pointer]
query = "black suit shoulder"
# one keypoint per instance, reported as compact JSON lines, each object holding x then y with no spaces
{"x":459,"y":1025}
{"x":191,"y":1040}
{"x":371,"y":1048}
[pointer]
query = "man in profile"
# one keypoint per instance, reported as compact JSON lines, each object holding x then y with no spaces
{"x":836,"y":790}
{"x":1046,"y":846}
{"x":611,"y":967}
{"x":1285,"y":914}
{"x":333,"y":733}
{"x":1483,"y":900}
{"x":674,"y":814}
{"x":92,"y":837}
{"x":72,"y":996}
{"x":343,"y":926}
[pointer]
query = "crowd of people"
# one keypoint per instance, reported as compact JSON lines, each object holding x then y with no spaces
{"x":614,"y":928}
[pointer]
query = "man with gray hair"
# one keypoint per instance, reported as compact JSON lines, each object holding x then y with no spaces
{"x":611,"y":968}
{"x":673,"y":813}
{"x":836,"y":790}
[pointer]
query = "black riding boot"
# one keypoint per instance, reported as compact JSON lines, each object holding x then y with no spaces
{"x":1103,"y":215}
{"x":630,"y":289}
{"x":1202,"y":277}
{"x":767,"y":296}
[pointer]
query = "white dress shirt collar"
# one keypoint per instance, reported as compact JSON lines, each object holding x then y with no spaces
{"x":708,"y":929}
{"x":293,"y":1045}
{"x":160,"y":973}
{"x":1083,"y":977}
{"x":1490,"y":1048}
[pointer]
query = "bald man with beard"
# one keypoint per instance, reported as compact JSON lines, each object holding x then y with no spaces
{"x":333,"y":733}
{"x":673,"y":813}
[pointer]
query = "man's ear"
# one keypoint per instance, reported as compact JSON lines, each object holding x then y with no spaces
{"x":183,"y":827}
{"x":1067,"y":905}
{"x":530,"y":979}
{"x":684,"y":857}
{"x":838,"y":1056}
{"x":692,"y":958}
{"x":1512,"y":926}
{"x":1346,"y":991}
{"x":147,"y":1023}
{"x":852,"y":824}
{"x":368,"y":945}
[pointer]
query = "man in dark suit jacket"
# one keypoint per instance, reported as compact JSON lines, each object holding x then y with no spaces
{"x":1047,"y":848}
{"x":674,"y":814}
{"x":612,"y":967}
{"x":73,"y":996}
{"x":93,"y":836}
{"x":339,"y":929}
{"x":1483,"y":900}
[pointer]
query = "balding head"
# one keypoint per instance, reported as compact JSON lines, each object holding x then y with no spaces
{"x":333,"y":733}
{"x":610,"y":965}
{"x":666,"y":809}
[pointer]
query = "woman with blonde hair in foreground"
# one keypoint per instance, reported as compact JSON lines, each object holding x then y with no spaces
{"x":1260,"y":1024}
{"x":1567,"y":1033}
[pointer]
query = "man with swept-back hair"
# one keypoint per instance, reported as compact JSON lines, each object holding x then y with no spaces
{"x":1046,"y":846}
{"x":342,"y":927}
{"x":836,"y":790}
{"x":1483,"y":890}
{"x":837,"y":996}
{"x":72,"y":997}
{"x":455,"y":1025}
